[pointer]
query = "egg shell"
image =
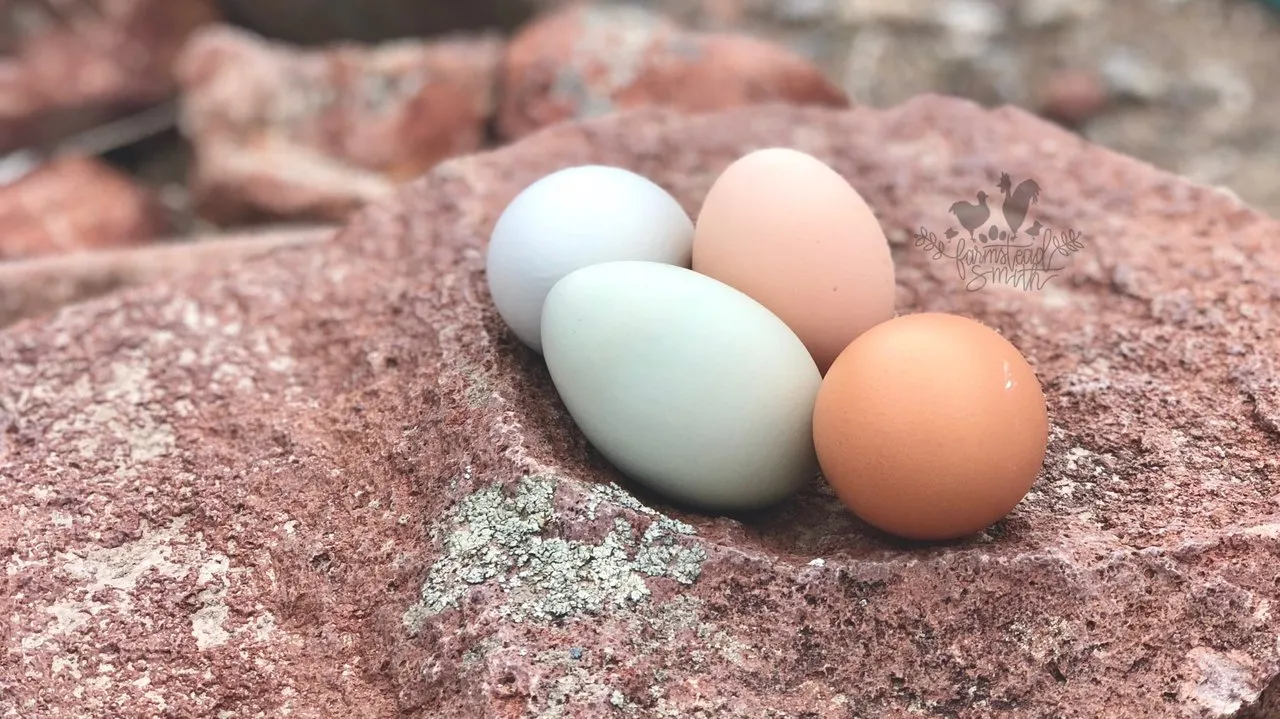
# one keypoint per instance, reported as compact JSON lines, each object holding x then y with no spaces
{"x":685,"y":384}
{"x":931,"y":426}
{"x":791,"y":232}
{"x":573,"y":218}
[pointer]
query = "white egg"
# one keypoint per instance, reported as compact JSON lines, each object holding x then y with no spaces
{"x":573,"y":218}
{"x":685,"y":384}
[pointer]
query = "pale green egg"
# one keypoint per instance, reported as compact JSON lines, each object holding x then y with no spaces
{"x":685,"y":384}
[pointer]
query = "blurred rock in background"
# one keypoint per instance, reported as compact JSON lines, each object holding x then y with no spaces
{"x":1073,"y":97}
{"x":68,"y":65}
{"x":283,"y":132}
{"x":586,"y":61}
{"x":75,"y":204}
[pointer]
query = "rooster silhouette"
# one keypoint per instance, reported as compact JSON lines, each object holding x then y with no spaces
{"x":972,"y":215}
{"x":1016,"y":204}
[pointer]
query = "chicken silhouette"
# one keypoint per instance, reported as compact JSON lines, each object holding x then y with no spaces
{"x":972,"y":216}
{"x":1016,"y":204}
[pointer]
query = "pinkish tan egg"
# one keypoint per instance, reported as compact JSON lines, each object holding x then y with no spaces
{"x":789,"y":231}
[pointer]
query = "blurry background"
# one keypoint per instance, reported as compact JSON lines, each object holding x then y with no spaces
{"x":132,"y":130}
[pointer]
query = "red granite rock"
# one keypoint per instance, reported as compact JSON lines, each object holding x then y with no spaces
{"x":39,"y":286}
{"x":282,"y":132}
{"x":582,"y":61}
{"x":87,"y":63}
{"x":76,"y":204}
{"x":333,"y":484}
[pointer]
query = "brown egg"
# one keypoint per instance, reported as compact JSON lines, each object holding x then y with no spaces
{"x":786,"y":229}
{"x":930,"y":426}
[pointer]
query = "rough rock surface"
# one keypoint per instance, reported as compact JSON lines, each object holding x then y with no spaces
{"x":72,"y":204}
{"x":332,"y":484}
{"x":39,"y":286}
{"x":72,"y":65}
{"x":313,"y":134}
{"x":584,"y":61}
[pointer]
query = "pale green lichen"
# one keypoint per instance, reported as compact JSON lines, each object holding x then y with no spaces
{"x":501,"y":538}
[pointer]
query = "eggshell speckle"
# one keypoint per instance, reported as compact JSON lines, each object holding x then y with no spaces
{"x":930,"y":426}
{"x":573,"y":218}
{"x":685,"y":384}
{"x":789,"y":231}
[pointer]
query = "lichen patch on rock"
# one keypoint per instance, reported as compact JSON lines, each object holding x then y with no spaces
{"x":504,"y":538}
